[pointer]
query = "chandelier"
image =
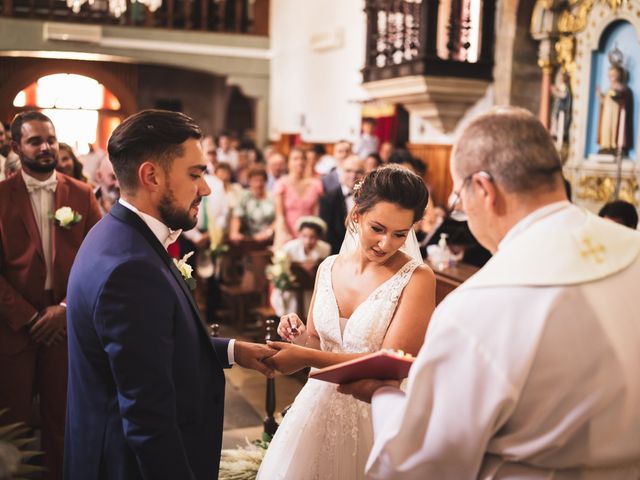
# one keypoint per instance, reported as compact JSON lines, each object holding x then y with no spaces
{"x":116,"y":7}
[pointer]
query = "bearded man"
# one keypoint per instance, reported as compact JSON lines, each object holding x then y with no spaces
{"x":44,"y":216}
{"x":146,"y":382}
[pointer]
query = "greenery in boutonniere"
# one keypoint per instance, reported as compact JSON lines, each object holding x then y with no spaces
{"x":65,"y":217}
{"x":186,"y":270}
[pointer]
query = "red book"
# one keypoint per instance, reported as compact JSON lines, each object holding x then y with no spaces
{"x":382,"y":365}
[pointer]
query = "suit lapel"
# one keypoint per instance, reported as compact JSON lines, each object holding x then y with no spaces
{"x":130,"y":218}
{"x":28,"y":218}
{"x":61,"y":200}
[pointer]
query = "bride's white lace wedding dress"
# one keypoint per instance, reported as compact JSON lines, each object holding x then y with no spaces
{"x":327,"y":435}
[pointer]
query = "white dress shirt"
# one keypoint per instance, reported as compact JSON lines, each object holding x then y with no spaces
{"x":348,"y":197}
{"x":43,"y":200}
{"x":166,"y":237}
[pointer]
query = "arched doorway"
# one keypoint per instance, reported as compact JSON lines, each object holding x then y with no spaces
{"x":83,"y":111}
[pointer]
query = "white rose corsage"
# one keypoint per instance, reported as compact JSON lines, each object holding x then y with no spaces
{"x":186,"y":270}
{"x":66,"y":217}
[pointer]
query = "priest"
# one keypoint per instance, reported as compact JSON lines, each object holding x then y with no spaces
{"x":529,"y":369}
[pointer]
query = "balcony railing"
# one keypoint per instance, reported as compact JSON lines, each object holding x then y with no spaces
{"x":429,"y":37}
{"x":231,"y":16}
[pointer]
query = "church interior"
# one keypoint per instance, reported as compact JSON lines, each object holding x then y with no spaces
{"x":274,"y":84}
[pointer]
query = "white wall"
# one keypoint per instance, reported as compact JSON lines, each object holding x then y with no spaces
{"x":315,"y":92}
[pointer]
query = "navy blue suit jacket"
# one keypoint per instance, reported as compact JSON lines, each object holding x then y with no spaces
{"x":146,"y":383}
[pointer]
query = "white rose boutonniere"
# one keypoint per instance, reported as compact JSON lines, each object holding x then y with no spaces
{"x":186,"y":270}
{"x":66,"y":217}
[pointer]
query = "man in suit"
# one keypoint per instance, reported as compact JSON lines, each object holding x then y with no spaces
{"x":36,"y":253}
{"x":341,"y":151}
{"x":335,"y":204}
{"x":146,"y":382}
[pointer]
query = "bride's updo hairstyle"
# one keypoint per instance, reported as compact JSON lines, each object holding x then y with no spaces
{"x":393,"y":184}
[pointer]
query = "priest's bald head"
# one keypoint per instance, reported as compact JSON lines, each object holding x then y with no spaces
{"x":504,"y":166}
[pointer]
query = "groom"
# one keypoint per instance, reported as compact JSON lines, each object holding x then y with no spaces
{"x":146,"y":382}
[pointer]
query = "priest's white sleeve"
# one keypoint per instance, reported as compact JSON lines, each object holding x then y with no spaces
{"x":456,"y":398}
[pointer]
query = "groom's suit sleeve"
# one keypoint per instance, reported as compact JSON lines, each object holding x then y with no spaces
{"x":134,"y":318}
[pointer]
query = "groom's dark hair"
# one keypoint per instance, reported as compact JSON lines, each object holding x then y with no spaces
{"x":149,"y":135}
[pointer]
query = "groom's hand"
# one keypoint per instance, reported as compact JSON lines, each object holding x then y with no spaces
{"x":252,"y":355}
{"x":364,"y":389}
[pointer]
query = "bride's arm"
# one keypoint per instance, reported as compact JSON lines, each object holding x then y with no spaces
{"x":406,"y":332}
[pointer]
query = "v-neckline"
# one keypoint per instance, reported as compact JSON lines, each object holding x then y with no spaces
{"x":335,"y":299}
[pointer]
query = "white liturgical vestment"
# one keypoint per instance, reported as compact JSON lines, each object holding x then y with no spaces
{"x":529,"y":370}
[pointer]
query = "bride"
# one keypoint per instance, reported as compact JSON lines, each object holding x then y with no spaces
{"x":372,"y":295}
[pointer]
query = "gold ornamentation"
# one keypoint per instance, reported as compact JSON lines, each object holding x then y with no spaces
{"x":601,"y":189}
{"x":565,"y":53}
{"x":573,"y":23}
{"x":591,"y":249}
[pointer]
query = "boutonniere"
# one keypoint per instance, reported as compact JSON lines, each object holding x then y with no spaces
{"x":186,"y":270}
{"x":65,"y":217}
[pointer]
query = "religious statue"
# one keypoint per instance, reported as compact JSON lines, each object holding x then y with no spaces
{"x":561,"y":108}
{"x":616,"y":114}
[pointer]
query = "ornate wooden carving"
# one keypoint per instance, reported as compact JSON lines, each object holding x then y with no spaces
{"x":402,"y":38}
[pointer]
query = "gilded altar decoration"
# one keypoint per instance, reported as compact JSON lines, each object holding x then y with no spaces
{"x":602,"y":189}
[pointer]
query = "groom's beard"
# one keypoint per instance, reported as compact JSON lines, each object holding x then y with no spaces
{"x":173,"y":216}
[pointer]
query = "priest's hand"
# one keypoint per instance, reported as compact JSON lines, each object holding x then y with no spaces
{"x":50,"y":326}
{"x":364,"y":389}
{"x":288,"y":359}
{"x":290,"y":327}
{"x":253,"y":356}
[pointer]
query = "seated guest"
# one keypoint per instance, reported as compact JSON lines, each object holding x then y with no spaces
{"x":225,"y":152}
{"x":233,"y":191}
{"x":385,"y":152}
{"x":254,"y":215}
{"x":69,"y":164}
{"x":295,"y":196}
{"x":313,"y":156}
{"x":308,"y":250}
{"x":208,"y":145}
{"x":336,"y":204}
{"x":368,"y":142}
{"x":276,"y":168}
{"x":372,"y":162}
{"x":108,"y":189}
{"x":620,"y":212}
{"x":330,"y":177}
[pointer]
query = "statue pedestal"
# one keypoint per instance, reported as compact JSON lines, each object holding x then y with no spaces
{"x":602,"y":158}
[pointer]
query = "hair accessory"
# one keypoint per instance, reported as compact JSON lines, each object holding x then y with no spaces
{"x":357,"y":186}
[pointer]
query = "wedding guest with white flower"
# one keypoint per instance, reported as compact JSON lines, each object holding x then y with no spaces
{"x":44,"y":216}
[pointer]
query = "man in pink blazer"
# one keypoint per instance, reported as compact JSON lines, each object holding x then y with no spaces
{"x":39,"y":239}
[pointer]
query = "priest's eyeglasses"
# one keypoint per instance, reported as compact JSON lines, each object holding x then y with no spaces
{"x":455,"y":209}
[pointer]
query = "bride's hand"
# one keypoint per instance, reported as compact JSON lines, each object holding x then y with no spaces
{"x":288,"y":359}
{"x":290,"y":327}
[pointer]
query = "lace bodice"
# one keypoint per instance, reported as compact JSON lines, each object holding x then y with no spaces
{"x":368,"y":324}
{"x":327,"y":435}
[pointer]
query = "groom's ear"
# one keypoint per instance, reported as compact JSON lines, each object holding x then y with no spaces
{"x":150,"y":176}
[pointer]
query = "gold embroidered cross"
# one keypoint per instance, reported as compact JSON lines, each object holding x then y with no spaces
{"x":596,"y":251}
